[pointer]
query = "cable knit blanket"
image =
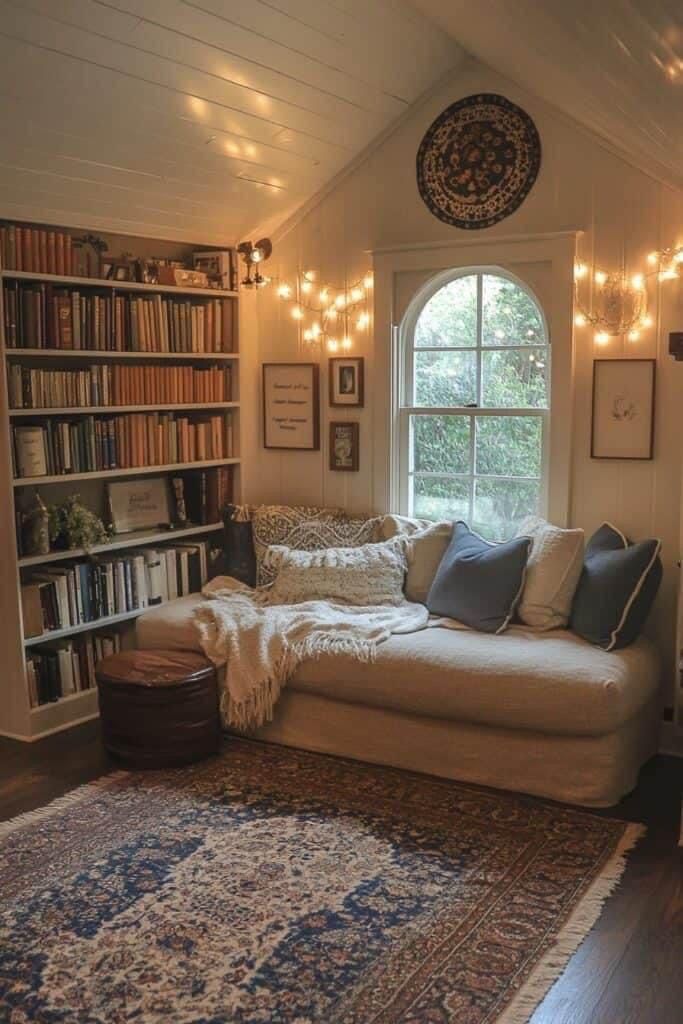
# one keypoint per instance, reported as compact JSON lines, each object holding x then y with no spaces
{"x":261,"y":645}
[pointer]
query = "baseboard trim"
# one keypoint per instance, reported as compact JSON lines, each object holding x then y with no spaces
{"x":671,"y":740}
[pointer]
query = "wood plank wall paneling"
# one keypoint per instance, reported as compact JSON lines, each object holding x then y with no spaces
{"x":623,"y":213}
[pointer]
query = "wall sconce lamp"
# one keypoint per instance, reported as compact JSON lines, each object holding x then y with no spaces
{"x":254,"y":255}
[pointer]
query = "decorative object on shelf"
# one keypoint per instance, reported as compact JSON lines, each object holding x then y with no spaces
{"x":139,"y":504}
{"x":179,"y":506}
{"x":478,"y":161}
{"x":87,"y":255}
{"x":619,"y":306}
{"x":254,"y":255}
{"x":623,"y":409}
{"x":73,"y":525}
{"x":35,"y":527}
{"x":181,"y":277}
{"x":218,"y":267}
{"x":346,"y":377}
{"x":147,"y":271}
{"x":119,"y":268}
{"x":291,"y":406}
{"x":334,"y":312}
{"x":344,"y":447}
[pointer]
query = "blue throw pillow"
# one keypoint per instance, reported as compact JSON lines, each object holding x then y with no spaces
{"x":479,"y":583}
{"x":618,"y":584}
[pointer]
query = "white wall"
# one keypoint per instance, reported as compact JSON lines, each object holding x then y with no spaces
{"x":623,"y":215}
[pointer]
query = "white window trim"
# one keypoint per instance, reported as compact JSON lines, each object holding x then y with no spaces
{"x":405,"y":410}
{"x":558,"y":250}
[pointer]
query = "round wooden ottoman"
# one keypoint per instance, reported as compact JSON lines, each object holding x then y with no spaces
{"x":159,"y":709}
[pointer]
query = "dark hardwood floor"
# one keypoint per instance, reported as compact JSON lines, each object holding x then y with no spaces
{"x":629,"y":970}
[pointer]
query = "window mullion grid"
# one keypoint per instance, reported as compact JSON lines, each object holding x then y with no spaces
{"x":473,"y":419}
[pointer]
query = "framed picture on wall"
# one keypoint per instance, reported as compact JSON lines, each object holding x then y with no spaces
{"x":291,"y":406}
{"x":346,"y":381}
{"x":623,"y":409}
{"x":344,"y":447}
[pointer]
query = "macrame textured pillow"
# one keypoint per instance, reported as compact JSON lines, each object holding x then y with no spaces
{"x":552,"y":573}
{"x":368,"y":575}
{"x":305,"y":528}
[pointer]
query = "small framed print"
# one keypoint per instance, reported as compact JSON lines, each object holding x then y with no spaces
{"x":346,"y":381}
{"x":139,"y":504}
{"x":344,"y":447}
{"x":623,"y":409}
{"x":291,"y":406}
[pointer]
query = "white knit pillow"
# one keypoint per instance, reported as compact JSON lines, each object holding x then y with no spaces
{"x":552,"y":573}
{"x":367,"y":575}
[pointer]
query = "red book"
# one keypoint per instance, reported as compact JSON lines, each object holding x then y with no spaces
{"x":42,"y":262}
{"x":59,"y":253}
{"x":51,"y":253}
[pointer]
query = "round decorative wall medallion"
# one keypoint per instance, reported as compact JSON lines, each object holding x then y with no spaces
{"x":478,"y":161}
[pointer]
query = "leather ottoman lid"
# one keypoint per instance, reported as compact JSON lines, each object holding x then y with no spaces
{"x":153,"y":668}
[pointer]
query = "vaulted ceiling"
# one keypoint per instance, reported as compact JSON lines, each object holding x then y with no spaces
{"x":198,"y":119}
{"x":616,"y":66}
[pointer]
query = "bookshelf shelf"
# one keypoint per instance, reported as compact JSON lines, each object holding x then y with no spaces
{"x":99,"y":410}
{"x":125,"y":540}
{"x":40,"y":481}
{"x":120,"y":286}
{"x":89,"y":354}
{"x":41,"y":310}
{"x":83,"y":627}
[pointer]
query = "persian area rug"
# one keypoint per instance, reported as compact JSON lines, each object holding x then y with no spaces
{"x":270,"y":885}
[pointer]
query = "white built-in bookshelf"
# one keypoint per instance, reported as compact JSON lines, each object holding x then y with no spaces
{"x":18,"y":718}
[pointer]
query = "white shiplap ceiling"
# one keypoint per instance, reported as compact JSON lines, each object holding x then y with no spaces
{"x":198,"y":119}
{"x":616,"y":66}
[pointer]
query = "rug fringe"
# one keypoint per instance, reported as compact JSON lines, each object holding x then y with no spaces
{"x":60,"y":803}
{"x":578,"y":925}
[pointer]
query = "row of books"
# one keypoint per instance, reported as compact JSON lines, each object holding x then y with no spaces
{"x":36,"y":250}
{"x":44,"y":316}
{"x":117,"y":385}
{"x":60,"y":669}
{"x":121,"y":442}
{"x":62,"y":597}
{"x":207,"y":493}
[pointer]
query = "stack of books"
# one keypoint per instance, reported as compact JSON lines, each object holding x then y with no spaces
{"x":45,"y":316}
{"x":86,"y":591}
{"x":36,"y":250}
{"x":119,"y":442}
{"x":67,"y":667}
{"x":207,"y":492}
{"x":117,"y":385}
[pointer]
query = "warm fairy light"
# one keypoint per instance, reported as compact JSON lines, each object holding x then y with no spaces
{"x":363,"y":321}
{"x":340,"y":301}
{"x":308,"y":335}
{"x":332,"y":344}
{"x":637,"y":280}
{"x":679,"y":256}
{"x":357,"y":294}
{"x":669,"y":274}
{"x":580,"y":271}
{"x":653,"y":258}
{"x":332,"y":313}
{"x":315,"y":330}
{"x":600,"y":277}
{"x":346,"y":342}
{"x":324,"y":296}
{"x":306,"y":286}
{"x":647,"y":321}
{"x":601,"y":337}
{"x":580,"y":320}
{"x":284,"y":291}
{"x":368,"y":281}
{"x":309,"y":275}
{"x":633,"y":335}
{"x":297,"y":312}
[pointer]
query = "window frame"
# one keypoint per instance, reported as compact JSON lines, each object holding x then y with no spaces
{"x":405,"y":410}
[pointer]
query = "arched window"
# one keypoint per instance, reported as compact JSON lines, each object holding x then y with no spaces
{"x":474,"y":409}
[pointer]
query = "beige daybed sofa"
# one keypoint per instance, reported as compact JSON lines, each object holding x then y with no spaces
{"x":542,"y":713}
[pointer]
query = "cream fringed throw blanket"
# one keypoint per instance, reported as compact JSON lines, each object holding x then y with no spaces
{"x":261,"y":645}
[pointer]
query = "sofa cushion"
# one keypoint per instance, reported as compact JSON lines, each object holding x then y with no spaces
{"x":306,"y":528}
{"x":551,"y":682}
{"x":618,"y":584}
{"x":428,"y":543}
{"x":477,"y":582}
{"x":372,"y":574}
{"x":552,"y":573}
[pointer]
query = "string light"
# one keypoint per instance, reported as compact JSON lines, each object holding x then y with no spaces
{"x":327,"y":305}
{"x":619,"y":306}
{"x":297,"y":312}
{"x":601,"y":337}
{"x":368,"y":281}
{"x":284,"y":291}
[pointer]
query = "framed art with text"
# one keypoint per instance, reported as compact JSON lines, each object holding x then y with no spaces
{"x":623,"y":409}
{"x":139,"y":504}
{"x":291,"y":406}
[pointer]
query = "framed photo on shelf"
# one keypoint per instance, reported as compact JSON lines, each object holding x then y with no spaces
{"x":139,"y":504}
{"x":291,"y":406}
{"x":346,"y":381}
{"x":344,"y":447}
{"x":121,"y":268}
{"x":623,"y":409}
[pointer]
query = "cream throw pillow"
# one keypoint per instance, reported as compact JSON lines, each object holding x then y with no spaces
{"x":368,"y":575}
{"x":552,"y":575}
{"x":425,"y":551}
